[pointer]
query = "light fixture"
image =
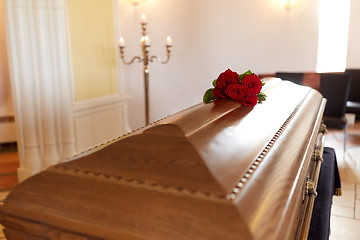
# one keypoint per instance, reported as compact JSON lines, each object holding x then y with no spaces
{"x":291,"y":4}
{"x":136,"y":2}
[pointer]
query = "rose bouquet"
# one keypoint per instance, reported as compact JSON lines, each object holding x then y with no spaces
{"x":244,"y":88}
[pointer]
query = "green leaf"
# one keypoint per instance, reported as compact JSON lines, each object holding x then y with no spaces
{"x":244,"y":74}
{"x":208,"y":96}
{"x":261,"y":97}
{"x":263,"y":84}
{"x":214,"y":82}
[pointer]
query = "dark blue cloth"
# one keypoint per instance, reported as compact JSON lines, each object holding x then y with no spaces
{"x":320,"y":220}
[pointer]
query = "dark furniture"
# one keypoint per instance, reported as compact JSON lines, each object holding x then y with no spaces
{"x":297,"y":78}
{"x":335,"y":88}
{"x":329,"y":180}
{"x":353,"y":103}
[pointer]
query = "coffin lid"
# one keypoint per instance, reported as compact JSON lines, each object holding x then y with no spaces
{"x":213,"y":171}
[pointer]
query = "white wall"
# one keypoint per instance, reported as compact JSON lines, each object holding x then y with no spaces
{"x":353,"y":57}
{"x":210,"y":36}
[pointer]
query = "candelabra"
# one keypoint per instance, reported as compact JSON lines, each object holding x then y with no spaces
{"x":146,"y":58}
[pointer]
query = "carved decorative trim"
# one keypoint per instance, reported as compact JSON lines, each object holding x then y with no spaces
{"x":176,"y":189}
{"x":140,"y":183}
{"x":244,"y":179}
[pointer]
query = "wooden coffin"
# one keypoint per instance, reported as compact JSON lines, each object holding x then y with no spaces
{"x":213,"y":171}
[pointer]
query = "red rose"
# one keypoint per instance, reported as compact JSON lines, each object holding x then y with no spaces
{"x":226,"y":78}
{"x":249,"y":101}
{"x":219,"y":93}
{"x":253,"y":82}
{"x":236,"y":91}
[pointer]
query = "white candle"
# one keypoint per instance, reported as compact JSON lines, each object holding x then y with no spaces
{"x":143,"y":19}
{"x":168,"y":41}
{"x":121,"y":42}
{"x":146,"y":40}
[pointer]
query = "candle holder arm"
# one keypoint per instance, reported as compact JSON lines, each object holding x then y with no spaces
{"x":168,"y":50}
{"x":139,"y":59}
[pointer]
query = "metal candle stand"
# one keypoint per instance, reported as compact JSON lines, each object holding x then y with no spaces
{"x":145,"y":59}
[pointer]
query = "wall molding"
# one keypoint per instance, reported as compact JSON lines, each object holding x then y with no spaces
{"x":99,"y":120}
{"x":101,"y":102}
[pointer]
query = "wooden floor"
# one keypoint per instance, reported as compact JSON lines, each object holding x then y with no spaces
{"x":345,"y":215}
{"x":9,"y":162}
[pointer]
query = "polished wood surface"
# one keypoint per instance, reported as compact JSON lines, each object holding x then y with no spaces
{"x":215,"y":171}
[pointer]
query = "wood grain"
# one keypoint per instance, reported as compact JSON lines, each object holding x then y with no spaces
{"x":215,"y":171}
